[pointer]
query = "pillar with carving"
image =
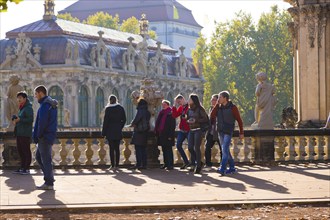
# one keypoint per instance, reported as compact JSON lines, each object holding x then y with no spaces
{"x":310,"y":29}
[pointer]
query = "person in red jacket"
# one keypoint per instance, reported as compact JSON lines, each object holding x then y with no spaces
{"x":226,"y":113}
{"x":181,"y":111}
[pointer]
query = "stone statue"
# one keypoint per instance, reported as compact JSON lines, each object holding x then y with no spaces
{"x":183,"y":63}
{"x":142,"y":55}
{"x":68,"y":50}
{"x":149,"y":91}
{"x":12,"y":104}
{"x":36,"y":51}
{"x":67,"y":118}
{"x":100,"y":58}
{"x":265,"y":103}
{"x":125,"y":61}
{"x":109,"y":61}
{"x":76,"y":52}
{"x":93,"y":56}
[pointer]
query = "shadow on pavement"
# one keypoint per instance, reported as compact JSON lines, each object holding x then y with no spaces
{"x":48,"y":199}
{"x":128,"y":178}
{"x":23,"y":183}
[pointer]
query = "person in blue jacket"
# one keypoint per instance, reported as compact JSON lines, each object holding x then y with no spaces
{"x":44,"y":134}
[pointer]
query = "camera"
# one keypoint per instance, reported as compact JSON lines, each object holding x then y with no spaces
{"x":13,"y":117}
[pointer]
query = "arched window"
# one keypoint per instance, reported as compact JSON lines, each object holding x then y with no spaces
{"x":56,"y":93}
{"x":116,"y":93}
{"x":129,"y":107}
{"x":99,"y":105}
{"x":83,"y":106}
{"x":170,"y":98}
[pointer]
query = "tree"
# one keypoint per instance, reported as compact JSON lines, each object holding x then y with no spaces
{"x":68,"y":17}
{"x":103,"y":20}
{"x":131,"y":25}
{"x":4,"y":6}
{"x":237,"y":50}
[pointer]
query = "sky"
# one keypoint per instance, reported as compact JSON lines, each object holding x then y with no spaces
{"x":204,"y":11}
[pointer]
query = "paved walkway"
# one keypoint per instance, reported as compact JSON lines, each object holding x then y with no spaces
{"x":155,"y":187}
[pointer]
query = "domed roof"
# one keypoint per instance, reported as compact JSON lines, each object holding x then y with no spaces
{"x":156,"y":10}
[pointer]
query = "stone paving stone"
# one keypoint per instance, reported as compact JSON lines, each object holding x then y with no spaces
{"x":103,"y":188}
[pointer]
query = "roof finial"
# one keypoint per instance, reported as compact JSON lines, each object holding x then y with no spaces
{"x":49,"y":10}
{"x":144,"y":25}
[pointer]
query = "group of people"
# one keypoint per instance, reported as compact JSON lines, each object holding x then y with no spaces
{"x":217,"y":126}
{"x":44,"y":133}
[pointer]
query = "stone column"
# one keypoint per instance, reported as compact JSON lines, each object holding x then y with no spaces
{"x":310,"y":30}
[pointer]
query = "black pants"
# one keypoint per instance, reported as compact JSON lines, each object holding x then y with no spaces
{"x":208,"y":149}
{"x":114,"y":152}
{"x":168,"y":156}
{"x":24,"y":151}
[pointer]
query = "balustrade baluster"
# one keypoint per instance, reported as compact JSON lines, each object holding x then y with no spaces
{"x":63,"y":152}
{"x":319,"y":148}
{"x":102,"y":152}
{"x":95,"y":147}
{"x":290,"y":142}
{"x":89,"y":152}
{"x":127,"y":152}
{"x":214,"y":153}
{"x":56,"y":152}
{"x":311,"y":147}
{"x":245,"y":150}
{"x":279,"y":149}
{"x":82,"y":147}
{"x":326,"y":148}
{"x":107,"y":153}
{"x":33,"y":152}
{"x":2,"y":148}
{"x":234,"y":149}
{"x":70,"y":149}
{"x":302,"y":143}
{"x":253,"y":149}
{"x":76,"y":152}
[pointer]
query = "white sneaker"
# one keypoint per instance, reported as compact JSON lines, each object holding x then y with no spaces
{"x":45,"y":187}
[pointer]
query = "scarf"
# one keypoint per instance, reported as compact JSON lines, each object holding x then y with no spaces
{"x":160,"y":123}
{"x":21,"y":105}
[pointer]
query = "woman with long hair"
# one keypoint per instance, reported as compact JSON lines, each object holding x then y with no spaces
{"x":197,"y":119}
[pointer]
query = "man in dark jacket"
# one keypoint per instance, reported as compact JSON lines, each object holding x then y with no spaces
{"x":23,"y":132}
{"x":44,"y":134}
{"x":165,"y":132}
{"x":113,"y":123}
{"x":226,"y":113}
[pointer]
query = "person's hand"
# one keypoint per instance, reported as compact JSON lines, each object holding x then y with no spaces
{"x":241,"y":136}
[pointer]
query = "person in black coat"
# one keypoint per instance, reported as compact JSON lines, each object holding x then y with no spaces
{"x":140,"y":135}
{"x":113,"y":123}
{"x":165,"y":132}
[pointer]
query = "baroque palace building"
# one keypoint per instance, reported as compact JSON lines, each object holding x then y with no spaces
{"x":174,"y":24}
{"x":81,"y":65}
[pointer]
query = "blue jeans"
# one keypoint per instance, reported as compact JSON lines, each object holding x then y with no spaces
{"x":44,"y":159}
{"x":141,"y":156}
{"x":180,"y":139}
{"x":225,"y":140}
{"x":194,"y":146}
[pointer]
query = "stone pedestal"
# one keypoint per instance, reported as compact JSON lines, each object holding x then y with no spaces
{"x":264,"y":149}
{"x":153,"y":152}
{"x":10,"y":153}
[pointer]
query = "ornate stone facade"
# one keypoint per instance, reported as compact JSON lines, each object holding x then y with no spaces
{"x":310,"y":31}
{"x":82,"y":65}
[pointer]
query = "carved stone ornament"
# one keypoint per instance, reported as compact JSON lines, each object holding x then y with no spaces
{"x":22,"y":58}
{"x":310,"y":20}
{"x":322,"y":23}
{"x":128,"y":58}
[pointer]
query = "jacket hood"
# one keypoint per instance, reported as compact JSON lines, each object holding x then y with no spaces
{"x":51,"y":101}
{"x":113,"y":105}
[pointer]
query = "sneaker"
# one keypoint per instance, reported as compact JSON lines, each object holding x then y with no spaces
{"x":184,"y":166}
{"x":198,"y":170}
{"x":45,"y":187}
{"x":25,"y":172}
{"x":169,"y":168}
{"x":112,"y":167}
{"x":142,"y":168}
{"x":163,"y":166}
{"x":19,"y":171}
{"x":231,"y":171}
{"x":191,"y":169}
{"x":221,"y":172}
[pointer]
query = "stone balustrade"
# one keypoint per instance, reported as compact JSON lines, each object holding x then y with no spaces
{"x":88,"y":148}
